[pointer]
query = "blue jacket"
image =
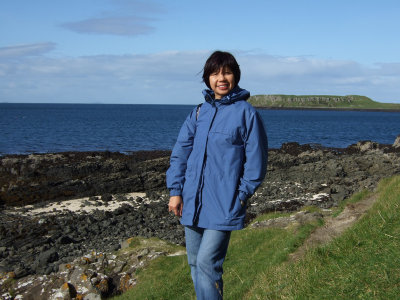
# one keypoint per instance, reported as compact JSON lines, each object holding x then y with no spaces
{"x":218,"y":161}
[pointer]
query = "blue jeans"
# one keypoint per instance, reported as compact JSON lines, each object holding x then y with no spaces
{"x":206,"y":250}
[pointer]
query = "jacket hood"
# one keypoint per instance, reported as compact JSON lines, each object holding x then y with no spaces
{"x":236,"y":94}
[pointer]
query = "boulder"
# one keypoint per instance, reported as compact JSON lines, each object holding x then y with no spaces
{"x":364,"y":146}
{"x":47,"y":257}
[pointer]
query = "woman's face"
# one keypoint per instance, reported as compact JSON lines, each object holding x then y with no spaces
{"x":222,"y":82}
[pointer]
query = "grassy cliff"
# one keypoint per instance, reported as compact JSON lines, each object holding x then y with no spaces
{"x":320,"y":102}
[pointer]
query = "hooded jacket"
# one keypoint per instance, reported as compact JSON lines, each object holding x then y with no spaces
{"x":218,"y":161}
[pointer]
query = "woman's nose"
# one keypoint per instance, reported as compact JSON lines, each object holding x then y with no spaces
{"x":221,"y":76}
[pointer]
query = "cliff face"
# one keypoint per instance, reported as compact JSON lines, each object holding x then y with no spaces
{"x":320,"y":101}
{"x":304,"y":99}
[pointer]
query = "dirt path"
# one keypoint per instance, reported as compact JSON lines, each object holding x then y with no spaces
{"x":334,"y":226}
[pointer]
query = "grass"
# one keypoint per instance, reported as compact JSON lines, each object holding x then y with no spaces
{"x":250,"y":252}
{"x":355,"y":198}
{"x":320,"y":101}
{"x":363,"y":263}
{"x":165,"y":278}
{"x":139,"y":243}
{"x":8,"y":285}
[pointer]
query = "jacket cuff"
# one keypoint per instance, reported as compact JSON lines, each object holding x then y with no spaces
{"x":243,"y":196}
{"x":175,"y":192}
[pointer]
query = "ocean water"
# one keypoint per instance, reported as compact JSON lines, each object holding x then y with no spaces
{"x":43,"y":128}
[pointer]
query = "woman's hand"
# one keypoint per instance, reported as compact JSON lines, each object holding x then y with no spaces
{"x":176,"y":205}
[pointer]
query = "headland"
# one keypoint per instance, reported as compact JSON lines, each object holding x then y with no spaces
{"x":321,"y":102}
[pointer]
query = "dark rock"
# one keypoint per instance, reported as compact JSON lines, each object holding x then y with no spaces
{"x":21,"y":271}
{"x":296,"y":173}
{"x":120,"y":197}
{"x":106,"y":197}
{"x":68,"y":291}
{"x":29,"y":179}
{"x":115,"y":247}
{"x":65,"y":240}
{"x":294,"y":148}
{"x":46,"y":257}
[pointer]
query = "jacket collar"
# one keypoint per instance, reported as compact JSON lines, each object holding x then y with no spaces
{"x":235,"y":95}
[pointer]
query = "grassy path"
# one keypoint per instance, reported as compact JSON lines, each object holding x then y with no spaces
{"x":354,"y":255}
{"x":335,"y":225}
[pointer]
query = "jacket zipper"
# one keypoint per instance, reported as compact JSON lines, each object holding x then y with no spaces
{"x":201,"y":183}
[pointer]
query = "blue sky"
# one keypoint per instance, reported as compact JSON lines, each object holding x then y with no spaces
{"x":120,"y":51}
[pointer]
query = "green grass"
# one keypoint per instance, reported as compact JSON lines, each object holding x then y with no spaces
{"x":250,"y":252}
{"x":272,"y":215}
{"x":355,"y":198}
{"x":8,"y":285}
{"x":165,"y":278}
{"x":320,"y":101}
{"x":363,"y":263}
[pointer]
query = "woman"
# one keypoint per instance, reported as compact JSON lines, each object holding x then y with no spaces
{"x":218,"y":161}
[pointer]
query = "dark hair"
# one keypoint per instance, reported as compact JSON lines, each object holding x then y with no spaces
{"x":218,"y":60}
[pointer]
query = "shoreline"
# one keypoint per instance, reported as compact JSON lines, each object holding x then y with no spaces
{"x":140,"y":154}
{"x":46,"y":242}
{"x":31,"y":178}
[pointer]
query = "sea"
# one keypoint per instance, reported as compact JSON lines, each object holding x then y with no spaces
{"x":49,"y":128}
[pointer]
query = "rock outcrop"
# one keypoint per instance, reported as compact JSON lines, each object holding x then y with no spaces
{"x":45,"y":243}
{"x":30,"y":179}
{"x":96,"y":275}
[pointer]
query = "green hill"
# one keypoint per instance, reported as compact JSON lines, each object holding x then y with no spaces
{"x":320,"y":102}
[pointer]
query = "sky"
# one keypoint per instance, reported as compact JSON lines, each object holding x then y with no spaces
{"x":139,"y":52}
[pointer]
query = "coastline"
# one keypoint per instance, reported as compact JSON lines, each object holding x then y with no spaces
{"x":44,"y":243}
{"x":328,"y":109}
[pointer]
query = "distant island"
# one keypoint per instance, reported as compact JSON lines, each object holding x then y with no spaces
{"x":350,"y":102}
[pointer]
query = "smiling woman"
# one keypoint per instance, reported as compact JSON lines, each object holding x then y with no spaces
{"x":222,"y":82}
{"x":217,"y":163}
{"x":221,"y":73}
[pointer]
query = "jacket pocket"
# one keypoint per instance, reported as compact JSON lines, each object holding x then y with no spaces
{"x":226,"y":138}
{"x":238,"y":210}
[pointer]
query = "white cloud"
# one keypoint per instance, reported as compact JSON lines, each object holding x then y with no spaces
{"x":124,"y":25}
{"x":125,"y":18}
{"x":268,"y":74}
{"x":26,"y":50}
{"x":173,"y":77}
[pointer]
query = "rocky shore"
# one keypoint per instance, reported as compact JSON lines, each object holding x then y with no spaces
{"x":121,"y":196}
